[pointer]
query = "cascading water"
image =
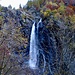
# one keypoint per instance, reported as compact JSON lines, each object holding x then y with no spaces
{"x":33,"y":61}
{"x":37,"y":49}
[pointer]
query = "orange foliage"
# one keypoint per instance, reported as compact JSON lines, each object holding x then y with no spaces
{"x":72,"y":7}
{"x":52,"y":7}
{"x":70,"y":4}
{"x":69,"y":11}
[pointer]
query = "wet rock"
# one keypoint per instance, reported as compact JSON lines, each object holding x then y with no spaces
{"x":72,"y":68}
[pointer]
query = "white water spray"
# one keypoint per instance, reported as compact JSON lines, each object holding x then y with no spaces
{"x":33,"y":49}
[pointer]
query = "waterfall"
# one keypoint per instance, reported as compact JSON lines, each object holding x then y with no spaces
{"x":34,"y":49}
{"x":39,"y":23}
{"x":33,"y":54}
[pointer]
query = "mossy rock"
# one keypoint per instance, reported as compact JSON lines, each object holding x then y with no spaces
{"x":1,"y":19}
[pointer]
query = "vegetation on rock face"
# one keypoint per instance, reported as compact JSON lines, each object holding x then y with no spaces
{"x":36,"y":3}
{"x":60,"y":19}
{"x":1,"y":19}
{"x":58,"y":8}
{"x":12,"y":41}
{"x":15,"y":27}
{"x":0,"y":8}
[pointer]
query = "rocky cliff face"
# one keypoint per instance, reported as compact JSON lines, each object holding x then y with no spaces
{"x":56,"y":42}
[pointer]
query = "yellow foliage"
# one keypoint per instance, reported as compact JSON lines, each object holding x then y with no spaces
{"x":57,"y":15}
{"x":41,"y":11}
{"x":47,"y":12}
{"x":25,"y":46}
{"x":52,"y":3}
{"x":61,"y":8}
{"x":1,"y":19}
{"x":72,"y":18}
{"x":54,"y":11}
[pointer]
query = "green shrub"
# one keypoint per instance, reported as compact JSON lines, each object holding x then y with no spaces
{"x":0,"y":8}
{"x":30,"y":3}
